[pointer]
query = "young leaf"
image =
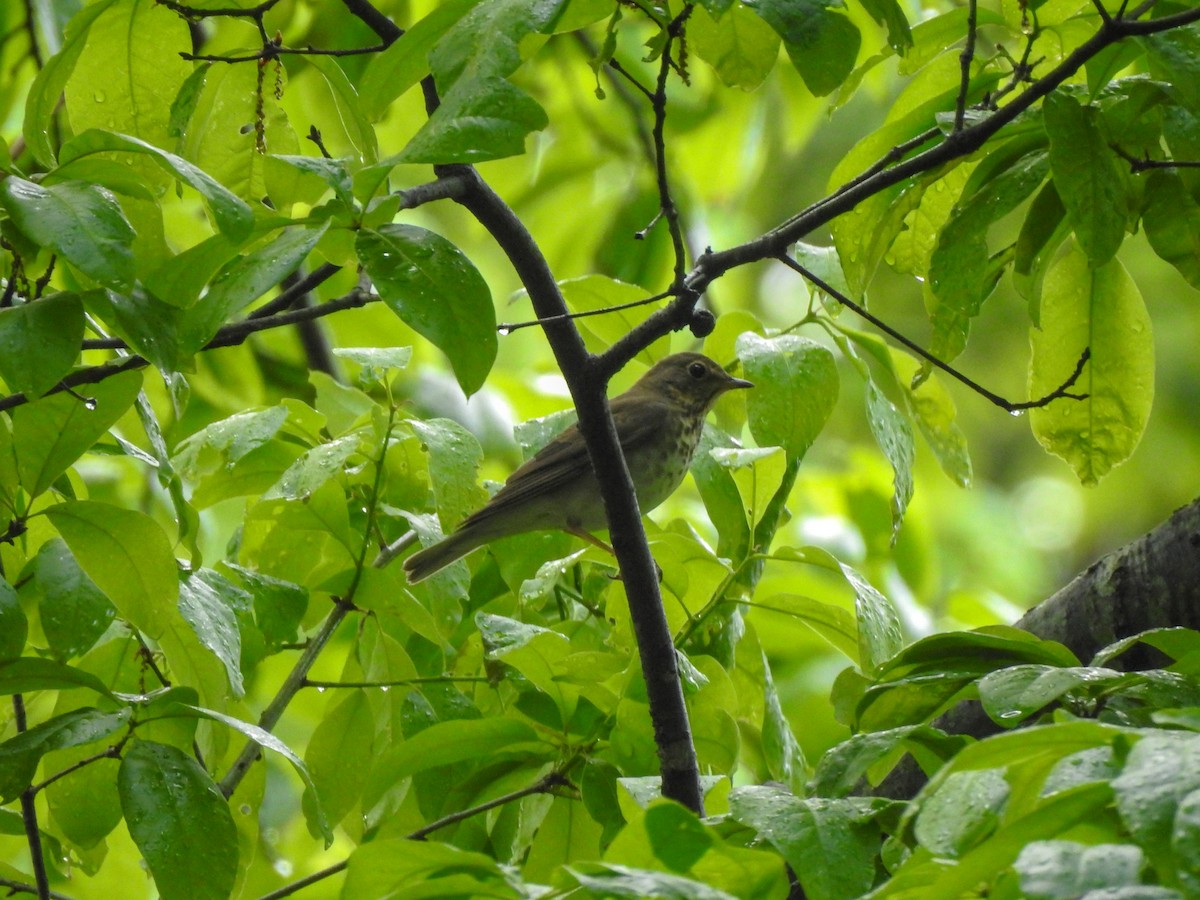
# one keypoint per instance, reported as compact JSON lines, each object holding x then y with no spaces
{"x":1101,"y":309}
{"x":433,"y":287}
{"x":180,"y":822}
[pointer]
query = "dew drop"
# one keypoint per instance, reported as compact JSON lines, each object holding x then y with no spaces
{"x":504,"y":330}
{"x":99,"y":96}
{"x":90,"y":404}
{"x":1016,"y":413}
{"x":320,"y":690}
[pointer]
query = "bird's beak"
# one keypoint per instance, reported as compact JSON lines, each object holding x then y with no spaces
{"x":735,"y":383}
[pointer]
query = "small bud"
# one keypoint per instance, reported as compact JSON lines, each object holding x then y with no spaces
{"x":703,"y":323}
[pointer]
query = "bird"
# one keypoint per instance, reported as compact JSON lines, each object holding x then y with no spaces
{"x":658,"y":422}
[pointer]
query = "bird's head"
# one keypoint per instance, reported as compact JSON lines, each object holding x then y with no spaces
{"x":690,"y":379}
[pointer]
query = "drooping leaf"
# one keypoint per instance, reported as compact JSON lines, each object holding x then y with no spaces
{"x":796,"y":390}
{"x":1087,"y":176}
{"x":821,"y":42}
{"x":1098,"y":309}
{"x":433,"y":287}
{"x":74,"y":612}
{"x":179,"y":821}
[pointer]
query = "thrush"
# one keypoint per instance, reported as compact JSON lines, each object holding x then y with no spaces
{"x":658,"y":422}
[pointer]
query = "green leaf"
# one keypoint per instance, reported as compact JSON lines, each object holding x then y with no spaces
{"x":130,"y":71}
{"x":179,"y":821}
{"x":1012,"y":694}
{"x":82,"y":222}
{"x":32,"y":673}
{"x":1098,"y":309}
{"x":1172,"y":220}
{"x":893,"y":433}
{"x":831,"y":622}
{"x":394,"y":867}
{"x":268,"y":741}
{"x":279,"y":606}
{"x":965,"y":809}
{"x":889,"y":14}
{"x":1043,"y":232}
{"x":207,"y":601}
{"x":392,"y":72}
{"x":757,"y":472}
{"x":433,"y":287}
{"x":441,"y":744}
{"x":961,"y":273}
{"x":20,"y":755}
{"x":51,"y":434}
{"x":313,"y":469}
{"x":349,"y":108}
{"x":73,"y":611}
{"x":233,"y":216}
{"x":39,"y":342}
{"x":243,"y":281}
{"x":933,"y":409}
{"x":676,"y":836}
{"x":1087,"y":175}
{"x":739,"y":45}
{"x":223,"y":443}
{"x":180,"y":279}
{"x":595,"y":292}
{"x":821,"y":43}
{"x":454,"y":460}
{"x":478,"y":120}
{"x":486,"y":42}
{"x":42,"y":104}
{"x":339,"y":756}
{"x":1146,"y":801}
{"x":611,"y":880}
{"x":14,"y":628}
{"x":842,"y":768}
{"x":1065,"y":869}
{"x":830,"y":844}
{"x":127,"y":555}
{"x":797,"y":384}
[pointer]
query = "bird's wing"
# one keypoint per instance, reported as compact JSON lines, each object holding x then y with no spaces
{"x":563,"y":461}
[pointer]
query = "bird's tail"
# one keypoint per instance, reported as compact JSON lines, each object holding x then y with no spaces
{"x":433,"y":559}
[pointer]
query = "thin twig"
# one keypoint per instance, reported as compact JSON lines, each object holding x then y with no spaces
{"x":400,"y":682}
{"x":552,"y":780}
{"x":509,"y":327}
{"x":113,"y":752}
{"x":288,"y":889}
{"x":1061,"y":392}
{"x":33,"y":834}
{"x":1142,"y":164}
{"x":20,"y":887}
{"x":965,"y":58}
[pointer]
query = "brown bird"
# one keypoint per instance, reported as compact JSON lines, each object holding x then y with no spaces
{"x":658,"y":423}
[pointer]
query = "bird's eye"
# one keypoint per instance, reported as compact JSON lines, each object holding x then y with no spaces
{"x":697,"y":370}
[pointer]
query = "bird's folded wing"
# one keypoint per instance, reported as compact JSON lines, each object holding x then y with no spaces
{"x":561,"y":462}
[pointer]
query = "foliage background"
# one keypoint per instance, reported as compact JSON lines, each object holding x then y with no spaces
{"x":741,"y":161}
